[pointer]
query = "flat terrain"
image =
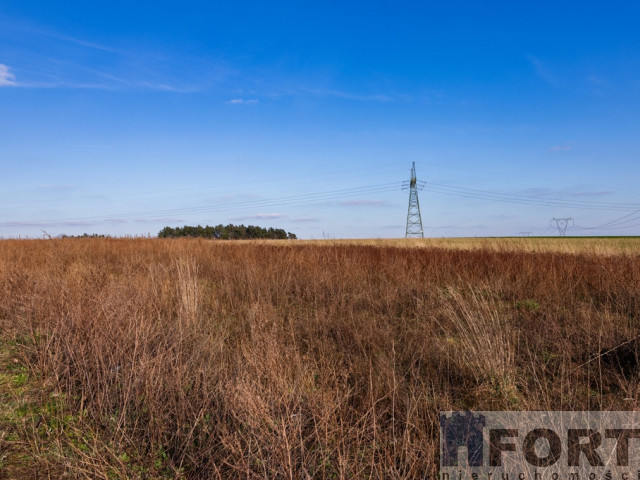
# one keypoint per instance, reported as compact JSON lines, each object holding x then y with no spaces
{"x":586,"y":245}
{"x":149,"y":358}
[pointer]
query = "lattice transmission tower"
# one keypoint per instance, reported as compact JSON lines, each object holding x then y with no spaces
{"x":562,"y":224}
{"x":414,"y":220}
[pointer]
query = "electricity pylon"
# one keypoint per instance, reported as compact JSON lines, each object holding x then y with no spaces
{"x":562,"y":224}
{"x":414,"y":220}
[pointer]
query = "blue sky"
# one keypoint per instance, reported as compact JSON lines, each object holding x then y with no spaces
{"x":123,"y":117}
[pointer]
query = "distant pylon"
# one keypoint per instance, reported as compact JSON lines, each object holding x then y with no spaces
{"x":414,"y":220}
{"x":562,"y":224}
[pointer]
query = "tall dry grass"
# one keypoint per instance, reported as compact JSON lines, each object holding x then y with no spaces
{"x":601,"y":246}
{"x":201,"y":359}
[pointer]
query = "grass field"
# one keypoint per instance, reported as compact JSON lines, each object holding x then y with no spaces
{"x":148,"y":358}
{"x":585,"y":245}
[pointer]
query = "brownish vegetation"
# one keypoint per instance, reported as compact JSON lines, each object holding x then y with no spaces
{"x":196,"y":359}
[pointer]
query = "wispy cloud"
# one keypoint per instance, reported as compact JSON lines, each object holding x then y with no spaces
{"x":576,"y":191}
{"x":75,"y":60}
{"x":234,"y":196}
{"x":69,"y":62}
{"x":83,"y":43}
{"x":307,"y":87}
{"x":261,"y":216}
{"x":105,"y":85}
{"x":159,"y":220}
{"x":66,"y":85}
{"x":89,"y":145}
{"x":543,"y":71}
{"x":565,"y":147}
{"x":71,"y":223}
{"x":77,"y":224}
{"x":28,"y":224}
{"x":328,"y":92}
{"x":7,"y":79}
{"x":354,"y":203}
{"x":597,"y":81}
{"x":65,"y":186}
{"x":596,"y":193}
{"x":32,"y":29}
{"x":242,"y":101}
{"x":455,"y":227}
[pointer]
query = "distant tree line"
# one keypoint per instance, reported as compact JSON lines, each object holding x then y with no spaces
{"x":84,"y":235}
{"x":227,"y":232}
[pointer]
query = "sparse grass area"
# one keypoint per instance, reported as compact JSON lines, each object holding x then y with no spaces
{"x":154,"y":358}
{"x":19,"y":396}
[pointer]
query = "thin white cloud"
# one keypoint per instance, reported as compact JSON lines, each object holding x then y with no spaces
{"x":7,"y":79}
{"x":561,"y":148}
{"x":576,"y":191}
{"x":71,"y":223}
{"x":327,"y":92}
{"x":363,"y":203}
{"x":163,"y":87}
{"x":104,"y":86}
{"x":598,"y":193}
{"x":84,"y":43}
{"x":233,"y":196}
{"x":42,"y":31}
{"x":543,"y":71}
{"x":89,"y":145}
{"x":159,"y":220}
{"x":26,"y":224}
{"x":78,"y":224}
{"x":66,"y":64}
{"x":261,"y":216}
{"x":305,"y":88}
{"x":455,"y":227}
{"x":242,"y":101}
{"x":597,"y":81}
{"x":65,"y":186}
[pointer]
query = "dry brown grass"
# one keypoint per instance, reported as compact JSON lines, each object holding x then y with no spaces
{"x":201,"y":359}
{"x":606,"y":246}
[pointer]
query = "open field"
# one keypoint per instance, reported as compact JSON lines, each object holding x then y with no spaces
{"x":148,"y":358}
{"x":585,"y":245}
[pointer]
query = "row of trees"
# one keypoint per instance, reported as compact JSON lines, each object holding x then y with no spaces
{"x":226,"y":232}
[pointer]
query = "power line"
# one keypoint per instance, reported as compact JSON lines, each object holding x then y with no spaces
{"x":613,"y":227}
{"x":278,"y":201}
{"x":526,"y":199}
{"x":413,"y":213}
{"x":315,"y":177}
{"x":615,"y":223}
